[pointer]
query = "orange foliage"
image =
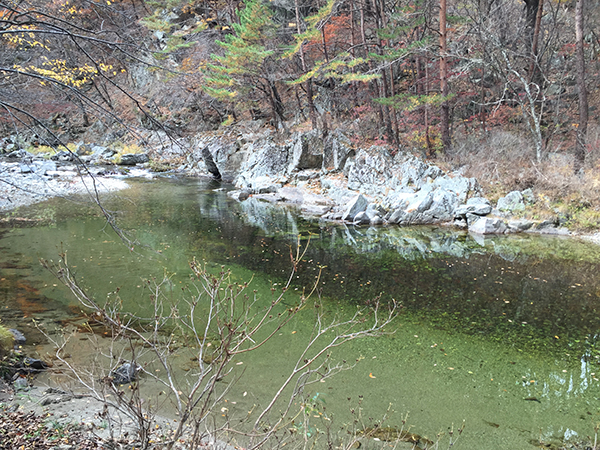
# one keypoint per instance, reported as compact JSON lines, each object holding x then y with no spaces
{"x":335,"y":27}
{"x":335,"y":33}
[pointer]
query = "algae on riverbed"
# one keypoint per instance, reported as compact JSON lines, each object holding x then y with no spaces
{"x":460,"y":351}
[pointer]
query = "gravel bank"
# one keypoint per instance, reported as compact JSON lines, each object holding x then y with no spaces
{"x":24,"y":184}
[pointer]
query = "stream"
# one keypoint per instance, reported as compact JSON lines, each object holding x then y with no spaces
{"x":499,"y":333}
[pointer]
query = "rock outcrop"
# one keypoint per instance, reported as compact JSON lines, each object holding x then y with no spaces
{"x":328,"y":177}
{"x":359,"y":186}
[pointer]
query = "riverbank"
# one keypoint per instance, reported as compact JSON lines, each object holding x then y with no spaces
{"x":45,"y":418}
{"x":327,"y":178}
{"x":21,"y":186}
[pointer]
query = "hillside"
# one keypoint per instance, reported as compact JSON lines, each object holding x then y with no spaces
{"x":499,"y":90}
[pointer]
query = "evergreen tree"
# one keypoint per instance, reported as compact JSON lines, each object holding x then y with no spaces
{"x":243,"y":74}
{"x":342,"y":66}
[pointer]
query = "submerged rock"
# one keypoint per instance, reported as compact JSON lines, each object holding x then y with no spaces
{"x":391,"y":434}
{"x":125,"y":373}
{"x":32,"y":365}
{"x":21,"y":384}
{"x":18,"y":336}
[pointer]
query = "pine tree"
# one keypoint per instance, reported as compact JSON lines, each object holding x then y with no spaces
{"x":243,"y":72}
{"x":337,"y":66}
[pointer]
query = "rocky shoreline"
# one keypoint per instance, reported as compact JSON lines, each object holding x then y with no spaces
{"x":63,"y":420}
{"x":25,"y":181}
{"x":329,"y":178}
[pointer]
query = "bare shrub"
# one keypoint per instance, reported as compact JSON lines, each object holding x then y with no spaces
{"x":219,"y":321}
{"x":500,"y":162}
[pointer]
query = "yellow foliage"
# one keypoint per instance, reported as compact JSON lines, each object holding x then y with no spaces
{"x":131,"y":148}
{"x":126,"y":149}
{"x":23,"y":36}
{"x":227,"y":121}
{"x":40,"y":149}
{"x":58,"y":70}
{"x":418,"y":139}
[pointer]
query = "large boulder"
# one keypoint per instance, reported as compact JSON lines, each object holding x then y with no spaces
{"x":371,"y":171}
{"x":63,"y":155}
{"x":266,"y":164}
{"x":486,"y":225}
{"x":306,"y":151}
{"x":477,"y":205}
{"x":411,"y":173}
{"x":518,"y":225}
{"x":228,"y":156}
{"x":99,"y":152}
{"x":511,"y":203}
{"x":126,"y":373}
{"x":210,"y":164}
{"x":443,"y":206}
{"x":425,"y":207}
{"x":361,"y":219}
{"x":462,"y":187}
{"x":131,"y":159}
{"x":357,"y":205}
{"x":336,"y":151}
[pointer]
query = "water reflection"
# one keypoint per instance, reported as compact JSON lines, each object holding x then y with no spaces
{"x":541,"y":291}
{"x":487,"y":322}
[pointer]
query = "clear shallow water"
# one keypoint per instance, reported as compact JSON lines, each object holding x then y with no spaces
{"x":486,"y":324}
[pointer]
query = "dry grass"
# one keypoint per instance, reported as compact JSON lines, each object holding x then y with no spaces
{"x":505,"y":162}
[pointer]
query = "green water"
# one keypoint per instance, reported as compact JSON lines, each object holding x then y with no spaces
{"x":485,"y":324}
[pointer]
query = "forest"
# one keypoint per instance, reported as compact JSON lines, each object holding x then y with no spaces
{"x":503,"y":90}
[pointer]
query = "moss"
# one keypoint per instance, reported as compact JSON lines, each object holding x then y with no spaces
{"x":158,"y":166}
{"x":6,"y":340}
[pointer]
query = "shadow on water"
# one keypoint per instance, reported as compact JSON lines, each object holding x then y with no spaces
{"x":501,"y":332}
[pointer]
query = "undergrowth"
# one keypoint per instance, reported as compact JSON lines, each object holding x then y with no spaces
{"x":504,"y":161}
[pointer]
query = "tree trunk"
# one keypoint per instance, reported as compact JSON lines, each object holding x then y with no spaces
{"x":384,"y":91}
{"x":430,"y":151}
{"x":482,"y":112}
{"x":445,"y":113}
{"x":583,"y":101}
{"x":277,"y":104}
{"x":353,"y":85}
{"x":312,"y":113}
{"x":535,"y":76}
{"x":374,"y":85}
{"x":531,"y":10}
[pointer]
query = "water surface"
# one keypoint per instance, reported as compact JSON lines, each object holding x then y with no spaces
{"x":498,"y":332}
